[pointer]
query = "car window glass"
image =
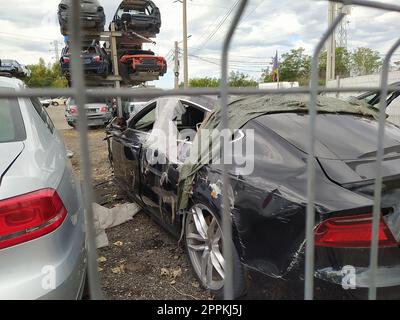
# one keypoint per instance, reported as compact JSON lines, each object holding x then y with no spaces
{"x":43,"y":114}
{"x":147,"y":120}
{"x":6,"y":63}
{"x":11,"y":123}
{"x":369,"y":98}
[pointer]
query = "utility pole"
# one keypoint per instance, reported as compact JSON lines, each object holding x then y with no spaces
{"x":176,"y":70}
{"x":331,"y":47}
{"x":56,"y":49}
{"x":114,"y":54}
{"x":185,"y":46}
{"x":341,"y":41}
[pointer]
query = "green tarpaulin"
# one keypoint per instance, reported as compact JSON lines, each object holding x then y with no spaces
{"x":243,"y":109}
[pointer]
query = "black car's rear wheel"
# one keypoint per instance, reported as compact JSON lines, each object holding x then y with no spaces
{"x":204,"y":245}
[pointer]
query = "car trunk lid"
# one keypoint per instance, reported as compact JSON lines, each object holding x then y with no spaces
{"x":346,"y":145}
{"x":9,"y":153}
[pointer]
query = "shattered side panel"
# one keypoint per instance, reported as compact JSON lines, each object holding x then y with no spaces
{"x":268,"y":206}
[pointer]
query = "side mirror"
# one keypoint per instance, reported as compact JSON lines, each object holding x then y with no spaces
{"x":118,"y":124}
{"x":70,"y":154}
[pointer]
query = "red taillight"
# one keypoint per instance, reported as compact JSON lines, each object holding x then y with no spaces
{"x":30,"y":216}
{"x":103,"y":109}
{"x":73,"y":109}
{"x":352,"y":232}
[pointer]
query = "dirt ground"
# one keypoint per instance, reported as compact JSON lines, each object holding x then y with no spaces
{"x":142,"y":261}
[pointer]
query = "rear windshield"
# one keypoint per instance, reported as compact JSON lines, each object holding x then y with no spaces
{"x":11,"y":124}
{"x":91,"y":100}
{"x":6,"y":63}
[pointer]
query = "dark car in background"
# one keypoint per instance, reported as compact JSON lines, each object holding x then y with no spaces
{"x":95,"y":61}
{"x":140,"y":16}
{"x":268,"y":203}
{"x":373,"y":99}
{"x":13,"y":68}
{"x":93,"y":16}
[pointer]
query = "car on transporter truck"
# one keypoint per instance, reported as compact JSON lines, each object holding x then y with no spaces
{"x":268,"y":203}
{"x":42,"y":225}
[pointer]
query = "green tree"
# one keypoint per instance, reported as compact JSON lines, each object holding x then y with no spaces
{"x":365,"y":61}
{"x":343,"y":63}
{"x":266,"y":75}
{"x":43,"y":75}
{"x":295,"y":66}
{"x":240,"y":80}
{"x":204,"y":82}
{"x":236,"y":79}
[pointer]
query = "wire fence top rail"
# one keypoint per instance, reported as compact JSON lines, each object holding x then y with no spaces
{"x":155,"y":93}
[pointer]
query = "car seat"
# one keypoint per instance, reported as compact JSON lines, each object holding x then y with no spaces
{"x":126,"y":18}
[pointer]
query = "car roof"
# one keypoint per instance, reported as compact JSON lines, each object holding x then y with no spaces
{"x":209,"y":102}
{"x":11,"y":83}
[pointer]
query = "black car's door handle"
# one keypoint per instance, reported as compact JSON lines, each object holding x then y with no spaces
{"x":135,"y":147}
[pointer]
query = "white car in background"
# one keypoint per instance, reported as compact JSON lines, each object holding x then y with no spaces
{"x":46,"y":102}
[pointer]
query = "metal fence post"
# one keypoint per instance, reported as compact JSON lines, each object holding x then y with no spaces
{"x":79,"y":87}
{"x":226,"y":216}
{"x":310,"y":215}
{"x":378,"y":180}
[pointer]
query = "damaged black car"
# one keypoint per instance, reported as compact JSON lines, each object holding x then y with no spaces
{"x":92,"y":15}
{"x":140,"y":16}
{"x":168,"y":159}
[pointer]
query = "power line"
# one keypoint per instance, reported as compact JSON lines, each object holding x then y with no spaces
{"x":259,"y":63}
{"x":248,"y":15}
{"x":233,"y":67}
{"x":220,"y":24}
{"x":252,"y":11}
{"x":204,"y":35}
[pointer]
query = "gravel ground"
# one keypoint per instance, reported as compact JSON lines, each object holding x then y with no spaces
{"x":142,"y":261}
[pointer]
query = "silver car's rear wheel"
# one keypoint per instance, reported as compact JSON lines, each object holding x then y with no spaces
{"x":204,"y":244}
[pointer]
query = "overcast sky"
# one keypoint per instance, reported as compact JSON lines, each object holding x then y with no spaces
{"x":27,"y":27}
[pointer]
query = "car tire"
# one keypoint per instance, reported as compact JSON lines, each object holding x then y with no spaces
{"x":204,"y":252}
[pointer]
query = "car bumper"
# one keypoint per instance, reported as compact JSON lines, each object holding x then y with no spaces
{"x":88,"y":21}
{"x":58,"y":269}
{"x":327,"y":286}
{"x":90,"y":68}
{"x":149,"y":68}
{"x":93,"y":121}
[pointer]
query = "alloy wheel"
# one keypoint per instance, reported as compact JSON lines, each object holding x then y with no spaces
{"x":204,"y":243}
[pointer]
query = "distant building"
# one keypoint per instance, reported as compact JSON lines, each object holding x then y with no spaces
{"x":278,"y":85}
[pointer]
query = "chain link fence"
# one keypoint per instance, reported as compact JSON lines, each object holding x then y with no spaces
{"x":80,"y":92}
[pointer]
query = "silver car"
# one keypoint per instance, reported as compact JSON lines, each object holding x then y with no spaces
{"x":42,"y":225}
{"x":99,"y":113}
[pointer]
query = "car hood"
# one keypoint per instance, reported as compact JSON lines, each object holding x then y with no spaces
{"x":9,"y":152}
{"x":346,"y":145}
